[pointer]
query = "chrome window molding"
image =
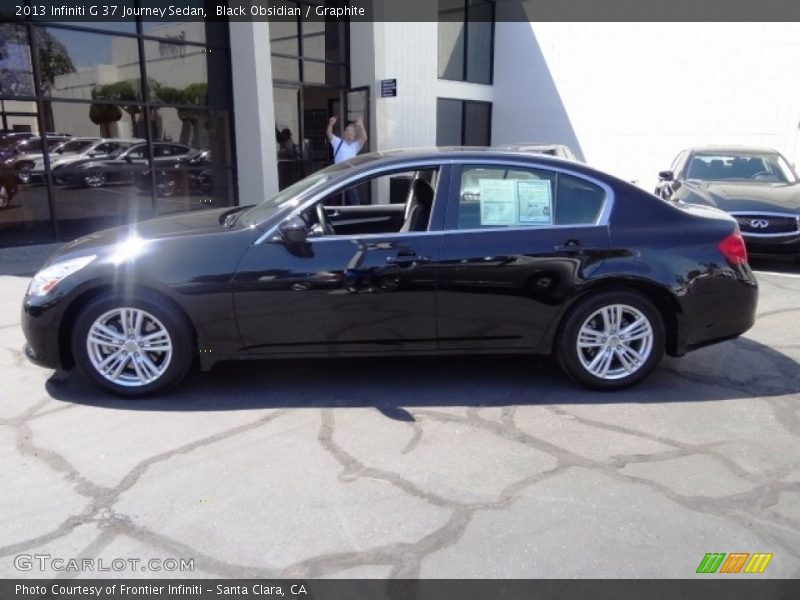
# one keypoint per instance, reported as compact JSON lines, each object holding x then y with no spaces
{"x":602,"y":219}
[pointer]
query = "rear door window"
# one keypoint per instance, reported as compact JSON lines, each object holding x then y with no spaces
{"x":491,"y":196}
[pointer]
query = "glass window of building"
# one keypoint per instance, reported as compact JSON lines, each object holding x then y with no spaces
{"x":466,"y":40}
{"x":106,"y":124}
{"x":463,"y":122}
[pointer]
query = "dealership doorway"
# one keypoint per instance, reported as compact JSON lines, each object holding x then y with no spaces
{"x":301,"y":120}
{"x":310,"y":69}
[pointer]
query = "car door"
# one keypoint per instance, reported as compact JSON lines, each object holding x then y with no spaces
{"x":519,"y":240}
{"x":129,"y":164}
{"x":347,"y":293}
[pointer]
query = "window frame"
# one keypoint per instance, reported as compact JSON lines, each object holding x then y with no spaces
{"x":464,"y":103}
{"x":339,"y":185}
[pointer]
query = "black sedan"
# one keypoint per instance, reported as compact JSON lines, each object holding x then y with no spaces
{"x":756,"y":186}
{"x":493,"y":252}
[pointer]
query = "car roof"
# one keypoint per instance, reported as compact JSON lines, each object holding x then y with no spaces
{"x":386,"y":158}
{"x":455,"y":152}
{"x":123,"y":140}
{"x":733,"y":150}
{"x":532,"y":147}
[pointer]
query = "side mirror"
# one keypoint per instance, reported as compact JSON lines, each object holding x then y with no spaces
{"x":666,"y":175}
{"x":294,"y":231}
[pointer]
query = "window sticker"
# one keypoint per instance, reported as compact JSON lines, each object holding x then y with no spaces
{"x":513,"y":202}
{"x":498,"y":200}
{"x":535,"y":202}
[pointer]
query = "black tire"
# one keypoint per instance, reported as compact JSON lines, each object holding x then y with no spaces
{"x":173,"y":321}
{"x":166,"y":186}
{"x":573,"y":361}
{"x":94,"y":179}
{"x":24,"y":175}
{"x":5,"y":196}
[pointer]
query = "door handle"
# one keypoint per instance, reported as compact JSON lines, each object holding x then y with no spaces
{"x":573,"y":246}
{"x":406,"y":259}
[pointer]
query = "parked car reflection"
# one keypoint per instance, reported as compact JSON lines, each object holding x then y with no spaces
{"x":121,"y":166}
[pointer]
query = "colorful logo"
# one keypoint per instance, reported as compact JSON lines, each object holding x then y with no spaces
{"x":714,"y":562}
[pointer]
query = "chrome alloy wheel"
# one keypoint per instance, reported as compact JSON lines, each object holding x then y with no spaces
{"x":129,"y":347}
{"x":94,"y":179}
{"x":615,"y":341}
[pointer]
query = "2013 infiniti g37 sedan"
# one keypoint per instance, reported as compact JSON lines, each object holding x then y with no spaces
{"x":449,"y":251}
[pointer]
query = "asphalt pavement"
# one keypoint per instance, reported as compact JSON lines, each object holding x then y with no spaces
{"x":414,"y":467}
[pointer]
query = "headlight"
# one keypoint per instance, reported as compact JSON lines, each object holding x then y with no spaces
{"x":48,"y":278}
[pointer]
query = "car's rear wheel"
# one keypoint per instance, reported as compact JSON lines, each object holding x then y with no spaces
{"x":611,"y":340}
{"x":132,"y":346}
{"x":94,"y":179}
{"x":5,"y":196}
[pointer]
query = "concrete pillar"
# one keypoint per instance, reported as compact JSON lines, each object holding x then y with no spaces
{"x":254,"y":112}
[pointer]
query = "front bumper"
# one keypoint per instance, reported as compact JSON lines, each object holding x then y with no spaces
{"x":785,"y":244}
{"x":41,"y":327}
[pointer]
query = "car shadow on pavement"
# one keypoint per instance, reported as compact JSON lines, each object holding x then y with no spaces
{"x":738,"y":369}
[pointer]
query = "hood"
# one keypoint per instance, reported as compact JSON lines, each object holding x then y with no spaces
{"x":183,"y":224}
{"x":733,"y":196}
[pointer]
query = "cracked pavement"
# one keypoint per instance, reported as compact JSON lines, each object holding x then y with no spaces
{"x":412,"y":467}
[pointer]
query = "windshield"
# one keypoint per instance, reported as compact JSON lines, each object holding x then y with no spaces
{"x":118,"y":151}
{"x":74,"y":145}
{"x":10,"y":141}
{"x":770,"y":167}
{"x":260,"y":212}
{"x":34,"y":145}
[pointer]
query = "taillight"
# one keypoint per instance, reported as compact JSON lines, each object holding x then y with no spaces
{"x":733,"y":249}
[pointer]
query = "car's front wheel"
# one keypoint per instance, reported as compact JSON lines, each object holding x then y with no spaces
{"x":611,"y":340}
{"x":132,"y":346}
{"x":24,"y":174}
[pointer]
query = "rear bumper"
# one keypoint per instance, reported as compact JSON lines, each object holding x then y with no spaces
{"x":715,"y":317}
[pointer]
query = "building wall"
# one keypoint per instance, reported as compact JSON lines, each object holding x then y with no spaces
{"x":630,"y":96}
{"x":406,"y":52}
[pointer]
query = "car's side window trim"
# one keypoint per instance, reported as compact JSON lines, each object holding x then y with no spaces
{"x":602,"y":219}
{"x":341,"y":185}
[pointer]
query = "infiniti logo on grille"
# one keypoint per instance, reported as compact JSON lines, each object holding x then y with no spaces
{"x":759,"y":223}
